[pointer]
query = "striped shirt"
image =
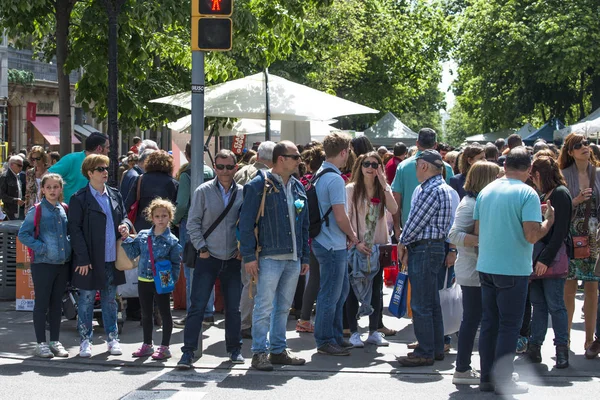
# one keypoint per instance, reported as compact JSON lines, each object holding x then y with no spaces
{"x":431,"y":215}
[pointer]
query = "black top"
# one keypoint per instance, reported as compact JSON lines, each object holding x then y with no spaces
{"x":560,"y":231}
{"x":457,"y":182}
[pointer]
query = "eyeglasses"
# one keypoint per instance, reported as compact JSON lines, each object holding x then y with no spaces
{"x":36,"y":158}
{"x":367,"y":164}
{"x":295,"y":157}
{"x":579,"y":145}
{"x":101,"y":169}
{"x":18,"y":165}
{"x":221,"y":167}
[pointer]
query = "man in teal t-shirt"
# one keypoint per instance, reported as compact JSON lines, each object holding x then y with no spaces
{"x":406,"y":181}
{"x":508,"y":220}
{"x":69,"y":166}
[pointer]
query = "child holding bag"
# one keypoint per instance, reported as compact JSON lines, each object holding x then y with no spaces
{"x":44,"y":231}
{"x":157,"y":247}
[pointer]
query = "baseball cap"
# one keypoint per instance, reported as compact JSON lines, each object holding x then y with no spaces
{"x":432,"y":157}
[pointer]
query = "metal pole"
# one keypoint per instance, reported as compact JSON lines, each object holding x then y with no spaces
{"x":197,"y":119}
{"x":268,"y":107}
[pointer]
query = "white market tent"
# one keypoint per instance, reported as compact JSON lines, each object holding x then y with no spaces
{"x":288,"y":101}
{"x":483,"y":138}
{"x":389,"y":130}
{"x":589,"y":126}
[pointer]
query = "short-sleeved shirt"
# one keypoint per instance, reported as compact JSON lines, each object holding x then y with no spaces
{"x":501,"y":209}
{"x":331,"y":190}
{"x":390,"y":169}
{"x":406,"y":181}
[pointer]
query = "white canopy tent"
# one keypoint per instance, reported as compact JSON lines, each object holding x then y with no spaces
{"x":288,"y":101}
{"x":589,"y":126}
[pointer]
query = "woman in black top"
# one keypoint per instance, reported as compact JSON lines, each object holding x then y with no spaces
{"x":472,"y":153}
{"x":547,"y":295}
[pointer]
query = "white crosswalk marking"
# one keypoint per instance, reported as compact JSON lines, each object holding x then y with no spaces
{"x":163,"y":394}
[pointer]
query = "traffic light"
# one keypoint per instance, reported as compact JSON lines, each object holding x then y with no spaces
{"x":211,"y":27}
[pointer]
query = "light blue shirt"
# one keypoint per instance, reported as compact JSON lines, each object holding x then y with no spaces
{"x":406,"y":181}
{"x":501,"y":208}
{"x":110,"y":239}
{"x":225,"y":195}
{"x":331,"y":190}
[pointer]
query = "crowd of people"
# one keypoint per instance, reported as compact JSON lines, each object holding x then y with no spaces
{"x":263,"y":222}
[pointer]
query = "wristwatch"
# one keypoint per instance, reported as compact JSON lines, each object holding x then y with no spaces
{"x":387,"y":189}
{"x":203,"y":250}
{"x":452,"y":250}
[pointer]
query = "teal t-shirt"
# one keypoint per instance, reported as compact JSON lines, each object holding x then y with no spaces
{"x":405,"y":182}
{"x":69,"y":167}
{"x":501,"y":209}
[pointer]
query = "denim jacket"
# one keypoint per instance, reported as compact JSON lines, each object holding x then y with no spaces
{"x":53,"y":245}
{"x":274,"y":230}
{"x":165,"y":247}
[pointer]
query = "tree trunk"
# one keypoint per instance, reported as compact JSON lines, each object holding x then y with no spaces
{"x":594,"y":89}
{"x":582,"y":95}
{"x":63,"y":10}
{"x":113,"y":8}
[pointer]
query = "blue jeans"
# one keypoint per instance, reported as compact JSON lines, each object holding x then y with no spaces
{"x":205,"y":274}
{"x":471,"y":301}
{"x":334,"y":288}
{"x":547,"y":296}
{"x":277,"y":280}
{"x":189,"y":276}
{"x":503,"y":303}
{"x":108,"y":302}
{"x":424,"y":260}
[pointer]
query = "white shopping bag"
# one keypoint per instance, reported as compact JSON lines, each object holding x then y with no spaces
{"x":130,"y":288}
{"x":452,"y":309}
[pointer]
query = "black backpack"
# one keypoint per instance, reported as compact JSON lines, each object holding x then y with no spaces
{"x":314,"y":213}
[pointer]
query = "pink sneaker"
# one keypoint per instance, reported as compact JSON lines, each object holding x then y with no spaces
{"x":144,"y":351}
{"x":304,"y":326}
{"x":162,"y":353}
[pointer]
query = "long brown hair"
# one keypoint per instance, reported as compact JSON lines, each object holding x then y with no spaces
{"x":550,"y":175}
{"x":360,"y":189}
{"x":470,"y":151}
{"x":565,"y":160}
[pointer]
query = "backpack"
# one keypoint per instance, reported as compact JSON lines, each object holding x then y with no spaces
{"x":314,"y":213}
{"x":36,"y":224}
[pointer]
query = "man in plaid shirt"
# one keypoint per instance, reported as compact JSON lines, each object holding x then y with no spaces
{"x":422,"y":249}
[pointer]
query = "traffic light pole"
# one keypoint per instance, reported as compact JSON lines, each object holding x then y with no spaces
{"x":197,"y":119}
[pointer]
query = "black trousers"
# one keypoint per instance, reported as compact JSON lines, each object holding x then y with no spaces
{"x":147,"y":293}
{"x":49,"y":283}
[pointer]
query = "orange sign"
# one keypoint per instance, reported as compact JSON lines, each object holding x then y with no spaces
{"x":25,"y":295}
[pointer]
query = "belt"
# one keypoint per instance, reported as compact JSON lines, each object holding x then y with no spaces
{"x":425,"y":241}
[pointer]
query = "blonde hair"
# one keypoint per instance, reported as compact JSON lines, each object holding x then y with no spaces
{"x":159,"y":203}
{"x":54,"y":177}
{"x":41,"y":151}
{"x":91,"y":162}
{"x":480,"y":175}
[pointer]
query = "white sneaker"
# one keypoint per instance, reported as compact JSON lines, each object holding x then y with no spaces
{"x":58,"y":349}
{"x":377,"y":339}
{"x":85,"y":349}
{"x":114,"y":348}
{"x":470,"y":377}
{"x":355,"y":340}
{"x":43,"y":350}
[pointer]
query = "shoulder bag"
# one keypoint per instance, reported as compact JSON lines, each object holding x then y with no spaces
{"x":189,"y":251}
{"x":162,"y":272}
{"x":133,"y":210}
{"x":581,"y":244}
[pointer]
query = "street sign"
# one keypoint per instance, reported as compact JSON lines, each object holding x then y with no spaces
{"x":211,"y":34}
{"x":212,"y":8}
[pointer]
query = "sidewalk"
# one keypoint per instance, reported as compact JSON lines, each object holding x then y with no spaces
{"x":17,"y":341}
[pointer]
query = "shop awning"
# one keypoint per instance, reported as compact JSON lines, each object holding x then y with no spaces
{"x":49,"y":128}
{"x":84,"y":130}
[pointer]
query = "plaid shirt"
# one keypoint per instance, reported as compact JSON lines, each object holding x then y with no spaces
{"x":430,"y":216}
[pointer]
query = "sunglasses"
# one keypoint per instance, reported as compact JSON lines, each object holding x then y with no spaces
{"x":367,"y":164}
{"x":18,"y":165}
{"x":579,"y":145}
{"x":101,"y":169}
{"x":295,"y":157}
{"x":221,"y":167}
{"x":36,"y":158}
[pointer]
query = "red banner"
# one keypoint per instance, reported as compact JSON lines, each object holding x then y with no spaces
{"x":31,"y":111}
{"x":239,"y":141}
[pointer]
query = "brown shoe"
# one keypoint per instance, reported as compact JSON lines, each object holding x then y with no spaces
{"x":414,"y":361}
{"x":593,"y":350}
{"x":387,"y":331}
{"x":438,"y":357}
{"x":285,"y":358}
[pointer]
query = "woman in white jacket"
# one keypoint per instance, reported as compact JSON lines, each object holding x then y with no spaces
{"x":461,"y":234}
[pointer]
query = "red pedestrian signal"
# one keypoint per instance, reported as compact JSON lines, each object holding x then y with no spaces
{"x":216,"y":8}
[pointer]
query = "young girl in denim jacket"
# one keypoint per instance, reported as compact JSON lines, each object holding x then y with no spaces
{"x":165,"y":246}
{"x":49,"y":267}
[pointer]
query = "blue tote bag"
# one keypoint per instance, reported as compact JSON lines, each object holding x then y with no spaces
{"x":398,"y":302}
{"x":162,"y":272}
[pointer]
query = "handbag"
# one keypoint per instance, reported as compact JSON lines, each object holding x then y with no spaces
{"x":559,"y":268}
{"x":452,"y":308}
{"x":133,"y":210}
{"x":581,"y":244}
{"x":162,"y":272}
{"x":124,"y":263}
{"x":190,"y":254}
{"x":398,"y":302}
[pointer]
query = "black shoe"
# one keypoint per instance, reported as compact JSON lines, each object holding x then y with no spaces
{"x":534,"y":353}
{"x":186,"y":360}
{"x":510,"y":388}
{"x":414,"y":361}
{"x":208,"y":321}
{"x":180,"y":323}
{"x":437,"y":357}
{"x":260,"y":361}
{"x":486,"y":387}
{"x":562,"y":357}
{"x":247,"y":333}
{"x":593,"y":351}
{"x":346,"y":344}
{"x":331,"y":349}
{"x":285,"y":358}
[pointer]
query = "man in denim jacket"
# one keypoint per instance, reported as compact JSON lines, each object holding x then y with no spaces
{"x":282,"y":252}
